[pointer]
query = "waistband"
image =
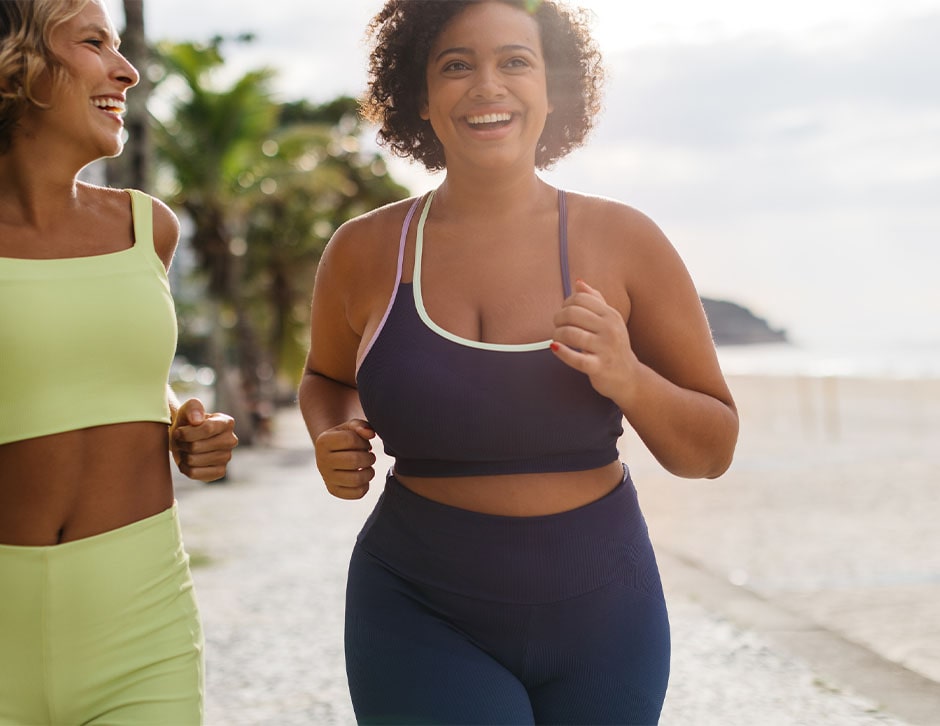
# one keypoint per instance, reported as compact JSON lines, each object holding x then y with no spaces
{"x":151,"y":533}
{"x":524,"y":560}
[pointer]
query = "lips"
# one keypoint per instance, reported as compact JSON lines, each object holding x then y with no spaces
{"x":109,"y":104}
{"x":489,"y":119}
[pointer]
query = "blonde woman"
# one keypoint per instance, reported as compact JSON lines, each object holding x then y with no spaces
{"x":98,"y":619}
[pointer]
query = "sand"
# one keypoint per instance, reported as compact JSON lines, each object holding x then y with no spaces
{"x":830,"y":508}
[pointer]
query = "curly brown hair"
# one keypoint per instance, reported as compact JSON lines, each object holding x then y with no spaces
{"x":404,"y":32}
{"x":25,"y":28}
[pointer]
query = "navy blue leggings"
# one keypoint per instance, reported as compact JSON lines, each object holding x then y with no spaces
{"x":456,"y":617}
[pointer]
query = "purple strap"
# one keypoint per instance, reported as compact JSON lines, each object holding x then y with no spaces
{"x":563,"y":241}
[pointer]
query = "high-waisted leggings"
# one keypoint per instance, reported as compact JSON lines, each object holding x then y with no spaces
{"x":102,"y":630}
{"x":457,"y":617}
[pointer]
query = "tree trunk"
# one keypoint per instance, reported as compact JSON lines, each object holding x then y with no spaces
{"x":133,"y":168}
{"x":240,"y":390}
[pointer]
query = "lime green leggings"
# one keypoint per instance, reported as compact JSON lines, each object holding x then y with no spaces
{"x":102,"y":630}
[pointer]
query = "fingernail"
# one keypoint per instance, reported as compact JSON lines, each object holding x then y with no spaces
{"x":554,"y":346}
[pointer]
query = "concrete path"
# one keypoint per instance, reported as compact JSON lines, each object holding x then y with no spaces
{"x":270,"y":547}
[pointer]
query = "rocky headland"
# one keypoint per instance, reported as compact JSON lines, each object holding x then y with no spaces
{"x":734,"y":324}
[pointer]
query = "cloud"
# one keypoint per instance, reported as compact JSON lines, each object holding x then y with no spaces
{"x":776,"y":125}
{"x":317,"y":47}
{"x":728,"y":94}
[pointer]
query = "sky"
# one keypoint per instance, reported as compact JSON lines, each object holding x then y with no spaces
{"x":790,"y":151}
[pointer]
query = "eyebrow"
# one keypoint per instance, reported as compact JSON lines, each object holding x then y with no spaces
{"x":469,"y":51}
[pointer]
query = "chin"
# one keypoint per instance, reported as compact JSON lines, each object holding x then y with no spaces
{"x":112,"y":150}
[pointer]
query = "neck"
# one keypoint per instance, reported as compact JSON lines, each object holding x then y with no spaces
{"x":491,"y":198}
{"x":33,"y":191}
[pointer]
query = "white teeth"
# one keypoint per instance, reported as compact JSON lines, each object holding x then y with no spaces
{"x":490,"y":118}
{"x":111,"y":104}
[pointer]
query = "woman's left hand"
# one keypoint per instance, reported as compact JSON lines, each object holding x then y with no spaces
{"x":591,"y":336}
{"x":202,"y":443}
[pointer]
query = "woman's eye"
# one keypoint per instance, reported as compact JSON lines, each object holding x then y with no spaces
{"x":95,"y":42}
{"x":456,"y":66}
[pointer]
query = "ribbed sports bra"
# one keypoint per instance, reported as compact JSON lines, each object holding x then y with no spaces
{"x":86,"y":341}
{"x":448,"y":406}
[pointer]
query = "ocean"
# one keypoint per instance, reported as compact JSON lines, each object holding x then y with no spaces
{"x":872,"y":360}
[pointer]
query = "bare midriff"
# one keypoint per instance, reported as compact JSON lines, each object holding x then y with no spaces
{"x":81,"y":483}
{"x":519,"y":495}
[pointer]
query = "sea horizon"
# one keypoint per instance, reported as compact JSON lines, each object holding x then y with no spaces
{"x":872,"y":359}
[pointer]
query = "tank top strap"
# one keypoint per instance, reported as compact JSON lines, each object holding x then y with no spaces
{"x":394,"y":296}
{"x":142,"y":211}
{"x":404,"y":238}
{"x":142,"y":208}
{"x":563,"y":241}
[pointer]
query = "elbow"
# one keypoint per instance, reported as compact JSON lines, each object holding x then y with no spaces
{"x":705,"y":467}
{"x":723,"y":447}
{"x":710,"y":465}
{"x":719,"y":466}
{"x":711,"y":457}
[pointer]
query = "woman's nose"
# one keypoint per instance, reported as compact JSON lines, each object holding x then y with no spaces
{"x":488,"y":84}
{"x":125,"y":72}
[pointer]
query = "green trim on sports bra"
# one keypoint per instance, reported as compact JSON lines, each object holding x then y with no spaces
{"x":423,"y":313}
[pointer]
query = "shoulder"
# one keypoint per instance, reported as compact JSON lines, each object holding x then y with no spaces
{"x":117,"y":205}
{"x":356,"y":274}
{"x":617,"y":218}
{"x":367,"y":241}
{"x":615,"y":230}
{"x":625,"y":253}
{"x":166,"y":230}
{"x":374,"y":227}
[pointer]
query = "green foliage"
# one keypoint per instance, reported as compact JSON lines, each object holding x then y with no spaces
{"x":264,"y":184}
{"x":211,"y":134}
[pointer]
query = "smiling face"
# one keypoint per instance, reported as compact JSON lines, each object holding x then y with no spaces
{"x":87,"y":101}
{"x":487,"y":99}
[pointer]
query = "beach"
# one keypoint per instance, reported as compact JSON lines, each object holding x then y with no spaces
{"x":829,"y":510}
{"x":830,"y":507}
{"x":802,"y":584}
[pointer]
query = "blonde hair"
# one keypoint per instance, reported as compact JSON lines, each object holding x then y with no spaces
{"x":26,"y":27}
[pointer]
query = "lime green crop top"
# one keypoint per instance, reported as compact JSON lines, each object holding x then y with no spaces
{"x":86,"y":341}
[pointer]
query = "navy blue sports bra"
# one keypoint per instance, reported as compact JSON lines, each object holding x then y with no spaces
{"x":448,"y":406}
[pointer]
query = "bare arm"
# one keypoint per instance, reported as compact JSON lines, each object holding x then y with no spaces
{"x":201,"y":443}
{"x":329,"y":401}
{"x":649,"y":349}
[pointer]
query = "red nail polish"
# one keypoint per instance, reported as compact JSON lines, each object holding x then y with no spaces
{"x":554,"y":346}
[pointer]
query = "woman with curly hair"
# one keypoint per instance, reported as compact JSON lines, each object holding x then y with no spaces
{"x":98,"y":619}
{"x":494,"y":334}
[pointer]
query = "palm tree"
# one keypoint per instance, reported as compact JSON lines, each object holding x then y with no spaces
{"x":264,"y":185}
{"x":312,"y":178}
{"x":211,"y":137}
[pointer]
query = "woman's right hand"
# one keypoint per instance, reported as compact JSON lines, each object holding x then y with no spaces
{"x":345,"y":458}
